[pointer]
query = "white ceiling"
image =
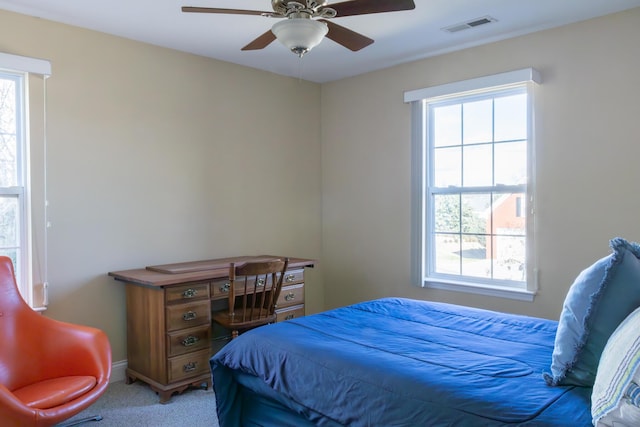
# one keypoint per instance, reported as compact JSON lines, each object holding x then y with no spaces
{"x":399,"y":36}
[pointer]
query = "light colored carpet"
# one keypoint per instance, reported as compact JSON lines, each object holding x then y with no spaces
{"x":137,"y":405}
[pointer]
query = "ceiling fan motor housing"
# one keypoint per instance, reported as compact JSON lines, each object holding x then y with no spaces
{"x":311,"y":8}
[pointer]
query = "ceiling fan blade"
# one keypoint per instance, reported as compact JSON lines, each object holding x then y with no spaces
{"x":261,"y":42}
{"x":363,"y":7}
{"x":226,"y":11}
{"x":346,"y":37}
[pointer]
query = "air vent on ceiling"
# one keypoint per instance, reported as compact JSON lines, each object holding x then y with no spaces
{"x":470,"y":24}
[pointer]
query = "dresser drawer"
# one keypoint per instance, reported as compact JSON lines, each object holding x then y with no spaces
{"x":182,"y":316}
{"x":220,"y":288}
{"x":291,"y":295}
{"x":293,"y":276}
{"x":290,"y":313}
{"x":189,"y":365}
{"x":187,"y":293}
{"x":187,"y":340}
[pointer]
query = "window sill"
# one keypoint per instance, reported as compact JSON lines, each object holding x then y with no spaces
{"x":481,"y":289}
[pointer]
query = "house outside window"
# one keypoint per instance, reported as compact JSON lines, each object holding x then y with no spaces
{"x":473,"y":177}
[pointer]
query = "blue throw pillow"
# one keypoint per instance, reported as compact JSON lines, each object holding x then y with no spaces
{"x":600,"y":298}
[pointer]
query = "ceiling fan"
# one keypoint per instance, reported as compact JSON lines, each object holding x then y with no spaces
{"x":300,"y":32}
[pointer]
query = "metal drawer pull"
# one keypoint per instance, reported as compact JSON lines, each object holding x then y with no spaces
{"x":190,"y":367}
{"x":189,"y":315}
{"x":289,"y":317}
{"x":189,"y":293}
{"x":190,"y":340}
{"x":290,"y":296}
{"x":289,"y":277}
{"x":225,"y":287}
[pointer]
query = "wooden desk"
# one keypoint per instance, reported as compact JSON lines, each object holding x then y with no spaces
{"x":170,"y":336}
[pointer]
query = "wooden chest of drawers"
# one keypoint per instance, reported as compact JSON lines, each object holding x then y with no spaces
{"x":170,"y":336}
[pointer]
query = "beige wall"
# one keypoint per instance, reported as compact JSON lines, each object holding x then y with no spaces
{"x":157,"y":156}
{"x":588,"y":146}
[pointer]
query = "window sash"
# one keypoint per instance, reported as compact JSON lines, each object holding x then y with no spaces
{"x":432,"y":235}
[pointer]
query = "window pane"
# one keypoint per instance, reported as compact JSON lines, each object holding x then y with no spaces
{"x":447,"y":254}
{"x":447,"y":126}
{"x":447,"y":165}
{"x":447,"y":213}
{"x":477,"y":166}
{"x":475,"y":262}
{"x":510,"y":258}
{"x":511,"y":163}
{"x":478,"y":121}
{"x":8,"y":143}
{"x":8,"y":222}
{"x":509,"y":214}
{"x":8,"y":163}
{"x":476,"y":218}
{"x":511,"y":118}
{"x":508,"y":244}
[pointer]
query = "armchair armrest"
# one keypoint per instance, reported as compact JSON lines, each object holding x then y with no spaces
{"x":74,"y":350}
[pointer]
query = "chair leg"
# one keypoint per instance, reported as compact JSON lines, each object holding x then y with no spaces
{"x":80,"y":421}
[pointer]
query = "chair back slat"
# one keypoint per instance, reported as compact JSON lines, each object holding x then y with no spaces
{"x":260,"y":283}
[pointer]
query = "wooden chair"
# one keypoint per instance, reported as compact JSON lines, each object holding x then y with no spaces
{"x":49,"y":370}
{"x":253,"y":292}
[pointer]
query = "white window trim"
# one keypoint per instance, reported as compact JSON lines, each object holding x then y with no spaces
{"x":418,"y":209}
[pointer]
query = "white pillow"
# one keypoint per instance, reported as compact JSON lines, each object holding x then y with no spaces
{"x":618,"y":377}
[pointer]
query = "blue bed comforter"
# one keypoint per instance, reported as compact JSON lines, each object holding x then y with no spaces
{"x":400,"y":362}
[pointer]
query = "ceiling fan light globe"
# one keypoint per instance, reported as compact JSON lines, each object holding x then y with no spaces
{"x":299,"y":35}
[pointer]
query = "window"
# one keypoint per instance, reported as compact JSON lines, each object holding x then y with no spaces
{"x":22,"y":171}
{"x":13,"y":192}
{"x":472,"y":148}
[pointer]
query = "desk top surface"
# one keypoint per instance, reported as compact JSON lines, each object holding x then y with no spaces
{"x":193,"y":271}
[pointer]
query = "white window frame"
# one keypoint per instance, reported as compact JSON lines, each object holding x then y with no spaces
{"x":420,"y":99}
{"x":22,"y":69}
{"x":20,"y":191}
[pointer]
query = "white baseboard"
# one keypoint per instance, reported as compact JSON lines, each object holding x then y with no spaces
{"x":118,"y":371}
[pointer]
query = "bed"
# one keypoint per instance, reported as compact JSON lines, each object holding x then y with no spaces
{"x":396,"y":362}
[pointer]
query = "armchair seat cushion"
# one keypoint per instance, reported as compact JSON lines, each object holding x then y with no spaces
{"x":54,"y":392}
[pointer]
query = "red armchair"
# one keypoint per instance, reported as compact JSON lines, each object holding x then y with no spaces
{"x":49,"y":370}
